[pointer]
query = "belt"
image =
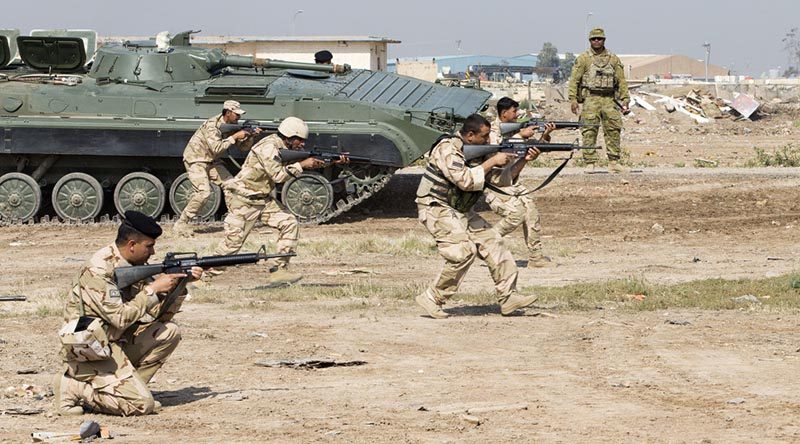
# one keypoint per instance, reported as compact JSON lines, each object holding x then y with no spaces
{"x":601,"y":93}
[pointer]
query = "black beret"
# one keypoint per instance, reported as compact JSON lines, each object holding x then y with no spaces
{"x":142,"y":223}
{"x":323,"y":56}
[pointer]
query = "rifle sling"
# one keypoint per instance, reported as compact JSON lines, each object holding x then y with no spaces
{"x":549,"y":179}
{"x":169,"y":299}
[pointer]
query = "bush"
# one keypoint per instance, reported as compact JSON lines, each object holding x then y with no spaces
{"x":786,"y":156}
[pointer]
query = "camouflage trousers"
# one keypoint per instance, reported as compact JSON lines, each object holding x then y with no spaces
{"x":242,"y":216}
{"x":201,"y":175}
{"x":460,"y":238}
{"x":601,"y":110}
{"x":118,"y":386}
{"x":517,"y":208}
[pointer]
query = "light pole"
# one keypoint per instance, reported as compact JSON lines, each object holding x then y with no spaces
{"x":294,"y":18}
{"x":586,"y":26}
{"x":707,"y":46}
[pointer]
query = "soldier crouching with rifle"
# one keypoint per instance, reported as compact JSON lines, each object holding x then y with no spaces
{"x":448,"y":190}
{"x":116,"y":338}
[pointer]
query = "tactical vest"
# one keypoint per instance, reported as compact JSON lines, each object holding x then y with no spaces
{"x":435,"y":184}
{"x":599,"y":75}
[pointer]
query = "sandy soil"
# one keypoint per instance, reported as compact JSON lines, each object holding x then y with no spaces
{"x":565,"y":376}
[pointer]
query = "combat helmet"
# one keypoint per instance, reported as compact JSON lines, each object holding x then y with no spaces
{"x":293,"y":127}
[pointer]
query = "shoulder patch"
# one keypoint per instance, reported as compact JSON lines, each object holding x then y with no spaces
{"x":456,"y":164}
{"x":113,"y":293}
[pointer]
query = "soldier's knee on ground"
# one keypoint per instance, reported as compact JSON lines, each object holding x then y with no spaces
{"x":459,"y":252}
{"x":170,"y":332}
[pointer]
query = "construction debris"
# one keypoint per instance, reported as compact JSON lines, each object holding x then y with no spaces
{"x":701,"y":107}
{"x":309,"y":363}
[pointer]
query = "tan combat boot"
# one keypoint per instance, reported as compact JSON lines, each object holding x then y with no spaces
{"x":514,"y":302}
{"x":182,"y":229}
{"x":615,"y":167}
{"x":434,"y":309}
{"x":282,"y":276}
{"x":539,"y":262}
{"x":67,"y":403}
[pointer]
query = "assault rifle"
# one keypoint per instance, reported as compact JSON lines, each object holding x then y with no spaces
{"x":519,"y":147}
{"x":183,"y":263}
{"x":291,"y":156}
{"x":249,"y":126}
{"x":511,"y":128}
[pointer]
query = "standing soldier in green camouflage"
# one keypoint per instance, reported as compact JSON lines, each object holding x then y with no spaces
{"x":249,"y":194}
{"x":116,"y":339}
{"x":514,"y":203}
{"x":202,"y":160}
{"x":597,"y":81}
{"x":448,"y":190}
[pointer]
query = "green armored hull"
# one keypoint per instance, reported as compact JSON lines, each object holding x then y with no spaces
{"x":82,"y":141}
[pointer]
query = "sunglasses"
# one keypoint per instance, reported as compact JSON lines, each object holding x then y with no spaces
{"x":595,"y":39}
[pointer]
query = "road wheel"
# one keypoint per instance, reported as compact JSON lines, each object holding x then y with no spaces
{"x":182,"y":190}
{"x":20,"y":197}
{"x":77,"y":197}
{"x":307,"y":196}
{"x":141,"y":192}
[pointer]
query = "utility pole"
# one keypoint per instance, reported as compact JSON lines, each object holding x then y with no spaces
{"x":707,"y":46}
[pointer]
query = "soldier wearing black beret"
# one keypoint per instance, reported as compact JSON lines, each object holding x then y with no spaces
{"x":323,"y":57}
{"x":115,"y":339}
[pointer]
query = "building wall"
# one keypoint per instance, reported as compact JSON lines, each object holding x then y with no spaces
{"x":361,"y":55}
{"x":674,"y":65}
{"x":418,"y":69}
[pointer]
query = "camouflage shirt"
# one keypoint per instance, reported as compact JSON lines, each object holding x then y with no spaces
{"x":502,"y":174}
{"x":447,"y":160}
{"x":95,"y":286}
{"x":263,"y":169}
{"x":207,"y":144}
{"x":584,"y":61}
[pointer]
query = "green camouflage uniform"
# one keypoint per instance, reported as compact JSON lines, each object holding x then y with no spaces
{"x":460,"y":236}
{"x":596,"y":80}
{"x":516,"y":207}
{"x":139,"y":343}
{"x":203,"y":165}
{"x":249,"y":196}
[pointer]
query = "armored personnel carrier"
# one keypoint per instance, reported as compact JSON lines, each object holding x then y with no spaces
{"x":83,"y":138}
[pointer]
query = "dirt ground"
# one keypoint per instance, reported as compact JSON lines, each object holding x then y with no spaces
{"x":549,"y":375}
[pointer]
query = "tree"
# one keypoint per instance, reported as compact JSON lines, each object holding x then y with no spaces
{"x":566,"y":65}
{"x":548,"y":56}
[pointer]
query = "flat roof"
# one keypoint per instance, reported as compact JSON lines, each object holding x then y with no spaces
{"x":221,"y":39}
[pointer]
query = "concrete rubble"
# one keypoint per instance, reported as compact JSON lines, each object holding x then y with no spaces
{"x":699,"y":106}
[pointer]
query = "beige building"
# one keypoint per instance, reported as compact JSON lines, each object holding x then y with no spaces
{"x":364,"y":52}
{"x":668,"y":66}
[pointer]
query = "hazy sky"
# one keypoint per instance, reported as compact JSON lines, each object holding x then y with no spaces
{"x":744,"y":35}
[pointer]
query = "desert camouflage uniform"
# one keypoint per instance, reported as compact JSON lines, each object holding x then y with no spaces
{"x":460,"y":237}
{"x":516,"y":207}
{"x":250,"y":196}
{"x":598,"y":99}
{"x":203,"y":165}
{"x":140,"y":344}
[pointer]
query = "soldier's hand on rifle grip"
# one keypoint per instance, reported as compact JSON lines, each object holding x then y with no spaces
{"x":312,"y":163}
{"x":240,"y":135}
{"x":343,"y":159}
{"x":164,"y":283}
{"x":575,"y":108}
{"x":533,"y":153}
{"x":502,"y":159}
{"x":256,"y":131}
{"x":528,"y":132}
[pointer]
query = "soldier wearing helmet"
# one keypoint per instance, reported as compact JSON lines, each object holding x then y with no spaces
{"x":249,"y":195}
{"x":202,"y":160}
{"x":598,"y":81}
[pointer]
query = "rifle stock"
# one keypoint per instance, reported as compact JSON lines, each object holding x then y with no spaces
{"x":248,"y":126}
{"x":183,"y":263}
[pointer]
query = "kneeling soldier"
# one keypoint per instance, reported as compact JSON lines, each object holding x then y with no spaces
{"x":116,"y":339}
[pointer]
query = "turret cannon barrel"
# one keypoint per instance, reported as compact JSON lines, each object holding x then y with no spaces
{"x":255,"y":62}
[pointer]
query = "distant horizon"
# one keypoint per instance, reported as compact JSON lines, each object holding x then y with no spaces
{"x":743,"y":42}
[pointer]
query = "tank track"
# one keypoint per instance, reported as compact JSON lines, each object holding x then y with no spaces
{"x":363,"y":192}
